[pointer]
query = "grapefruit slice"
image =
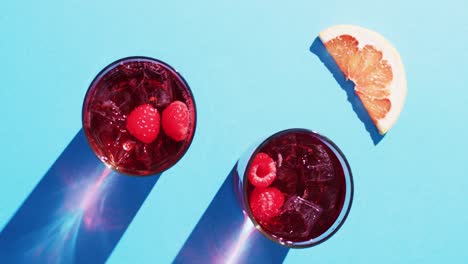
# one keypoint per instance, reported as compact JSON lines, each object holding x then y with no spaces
{"x":375,"y":67}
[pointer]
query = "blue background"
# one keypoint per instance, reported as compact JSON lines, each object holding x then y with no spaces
{"x":252,"y":74}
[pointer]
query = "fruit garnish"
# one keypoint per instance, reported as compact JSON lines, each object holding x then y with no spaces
{"x":262,"y":171}
{"x":375,"y":67}
{"x":144,"y":123}
{"x":175,"y":120}
{"x":266,"y":203}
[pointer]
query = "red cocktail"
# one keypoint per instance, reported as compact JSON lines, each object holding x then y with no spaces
{"x":139,"y":116}
{"x":297,"y":188}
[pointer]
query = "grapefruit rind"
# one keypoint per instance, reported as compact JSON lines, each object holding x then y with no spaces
{"x":397,"y":87}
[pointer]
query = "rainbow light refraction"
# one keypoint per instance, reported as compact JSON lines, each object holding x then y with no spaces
{"x":82,"y":208}
{"x":238,"y":247}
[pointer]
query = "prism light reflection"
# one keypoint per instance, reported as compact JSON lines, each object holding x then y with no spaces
{"x":56,"y":242}
{"x":242,"y":242}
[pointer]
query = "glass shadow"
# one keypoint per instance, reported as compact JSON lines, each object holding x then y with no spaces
{"x":76,"y":214}
{"x":319,"y":49}
{"x":224,"y":234}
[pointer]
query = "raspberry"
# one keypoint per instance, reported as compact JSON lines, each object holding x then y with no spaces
{"x":143,"y":123}
{"x":266,"y":203}
{"x":262,"y":171}
{"x":175,"y":120}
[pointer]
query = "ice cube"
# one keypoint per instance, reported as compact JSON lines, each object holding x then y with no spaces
{"x":313,"y":155}
{"x":330,"y":197}
{"x":287,"y":139}
{"x":128,"y":145}
{"x":308,"y":210}
{"x":287,"y":180}
{"x":297,"y":218}
{"x":288,"y":225}
{"x":129,"y":69}
{"x":170,"y":86}
{"x":122,"y":152}
{"x":324,"y":195}
{"x":160,"y":98}
{"x":140,"y":91}
{"x":321,"y":155}
{"x":109,"y":111}
{"x":283,"y":150}
{"x":118,"y":86}
{"x":315,"y":165}
{"x":123,"y":100}
{"x":317,"y":173}
{"x":284,"y":155}
{"x":155,"y":72}
{"x":143,"y":154}
{"x":165,"y":146}
{"x":136,"y":81}
{"x":313,"y":193}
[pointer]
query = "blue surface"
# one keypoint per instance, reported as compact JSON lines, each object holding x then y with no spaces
{"x":251,"y":69}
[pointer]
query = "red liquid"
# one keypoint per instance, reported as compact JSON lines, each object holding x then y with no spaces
{"x":312,"y":179}
{"x":118,"y":90}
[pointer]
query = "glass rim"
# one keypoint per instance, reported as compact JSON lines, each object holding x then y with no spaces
{"x":344,"y":212}
{"x":101,"y":74}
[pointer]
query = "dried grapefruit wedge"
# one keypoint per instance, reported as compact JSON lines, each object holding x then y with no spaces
{"x":375,"y":67}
